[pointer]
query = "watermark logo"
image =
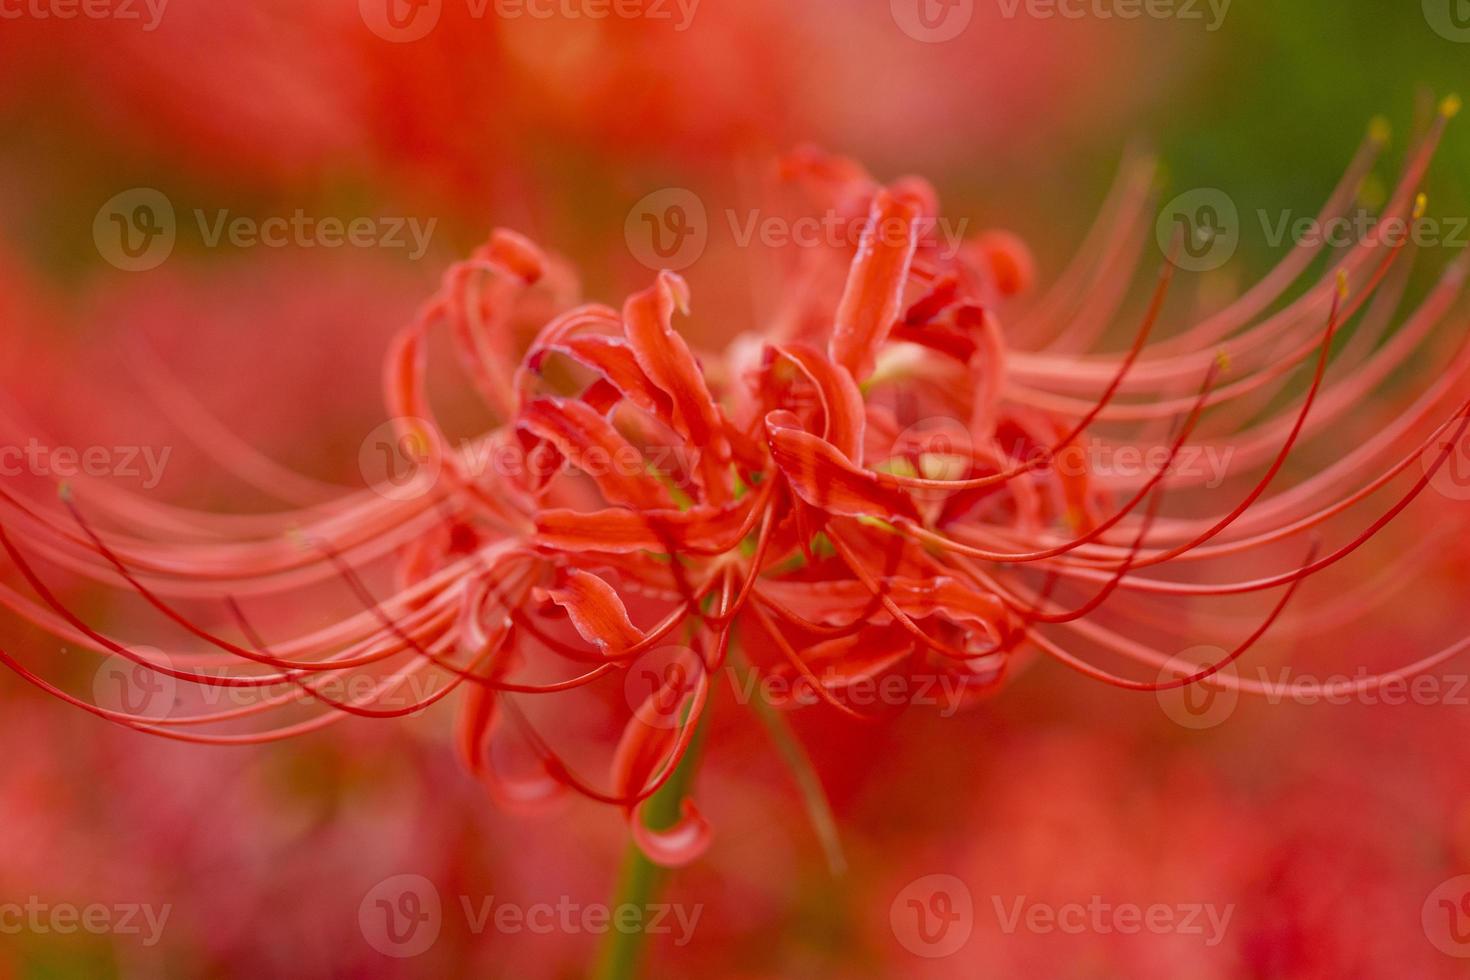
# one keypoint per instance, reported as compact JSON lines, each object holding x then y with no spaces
{"x":1199,"y":229}
{"x":659,"y":683}
{"x":303,"y":230}
{"x":932,"y":21}
{"x":405,"y":21}
{"x":398,"y":460}
{"x":401,"y":916}
{"x":143,"y":463}
{"x":400,"y":21}
{"x":1202,"y":704}
{"x":1446,"y":917}
{"x":679,"y":12}
{"x":567,"y":917}
{"x":670,"y":229}
{"x":1452,"y":478}
{"x":1450,"y":19}
{"x":933,"y":916}
{"x":121,"y":684}
{"x":667,"y":229}
{"x":945,"y":692}
{"x":1210,"y":12}
{"x":833,"y":229}
{"x":136,"y":229}
{"x":148,"y":13}
{"x":937,"y":448}
{"x":1363,"y":227}
{"x":64,"y":919}
{"x":1102,"y":917}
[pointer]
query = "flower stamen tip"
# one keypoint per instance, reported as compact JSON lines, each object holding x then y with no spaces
{"x":1421,"y":204}
{"x":1449,"y":106}
{"x":1380,"y":130}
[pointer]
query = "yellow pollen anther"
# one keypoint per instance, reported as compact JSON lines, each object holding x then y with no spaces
{"x":1421,"y":204}
{"x":1222,"y":359}
{"x":1380,"y":130}
{"x":1342,"y":284}
{"x":1449,"y":106}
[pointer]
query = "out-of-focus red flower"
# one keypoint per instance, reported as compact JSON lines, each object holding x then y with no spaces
{"x":287,"y":94}
{"x":885,"y":482}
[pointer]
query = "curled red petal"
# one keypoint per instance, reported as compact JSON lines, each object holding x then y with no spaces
{"x":673,"y":847}
{"x":596,"y":611}
{"x":612,"y":358}
{"x":584,"y":436}
{"x":702,"y":530}
{"x":666,"y":359}
{"x":842,"y":401}
{"x":873,"y":297}
{"x":828,"y":480}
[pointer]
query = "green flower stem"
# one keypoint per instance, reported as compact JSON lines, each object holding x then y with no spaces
{"x":808,"y":783}
{"x":640,"y":880}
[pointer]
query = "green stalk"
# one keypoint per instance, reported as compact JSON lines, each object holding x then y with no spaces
{"x":641,"y":879}
{"x":808,"y":783}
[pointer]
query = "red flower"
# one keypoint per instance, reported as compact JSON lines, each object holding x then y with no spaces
{"x":886,"y":480}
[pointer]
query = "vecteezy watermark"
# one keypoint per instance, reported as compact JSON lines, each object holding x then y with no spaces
{"x":659,"y":683}
{"x":1211,"y":700}
{"x":303,"y":230}
{"x":150,"y":691}
{"x":413,"y":691}
{"x":568,"y":917}
{"x":1446,"y":917}
{"x":1200,"y":704}
{"x":945,"y":692}
{"x":942,"y":448}
{"x":1098,"y":916}
{"x":405,"y":21}
{"x":1210,"y":12}
{"x":670,"y":229}
{"x":403,"y":917}
{"x":1450,"y":478}
{"x":148,"y":13}
{"x":667,"y":229}
{"x":830,"y":229}
{"x":125,"y":685}
{"x":1283,"y":685}
{"x":936,"y":21}
{"x":40,"y":918}
{"x":680,"y":13}
{"x":399,"y":460}
{"x":137,"y":229}
{"x":35,"y":458}
{"x":933,"y":916}
{"x":1450,"y":19}
{"x":932,"y":21}
{"x":1365,"y":228}
{"x":1199,"y":230}
{"x":1209,"y":464}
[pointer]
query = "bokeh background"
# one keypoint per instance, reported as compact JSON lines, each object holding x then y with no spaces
{"x":1326,"y":829}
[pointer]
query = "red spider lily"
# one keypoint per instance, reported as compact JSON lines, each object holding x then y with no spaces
{"x":870,"y":487}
